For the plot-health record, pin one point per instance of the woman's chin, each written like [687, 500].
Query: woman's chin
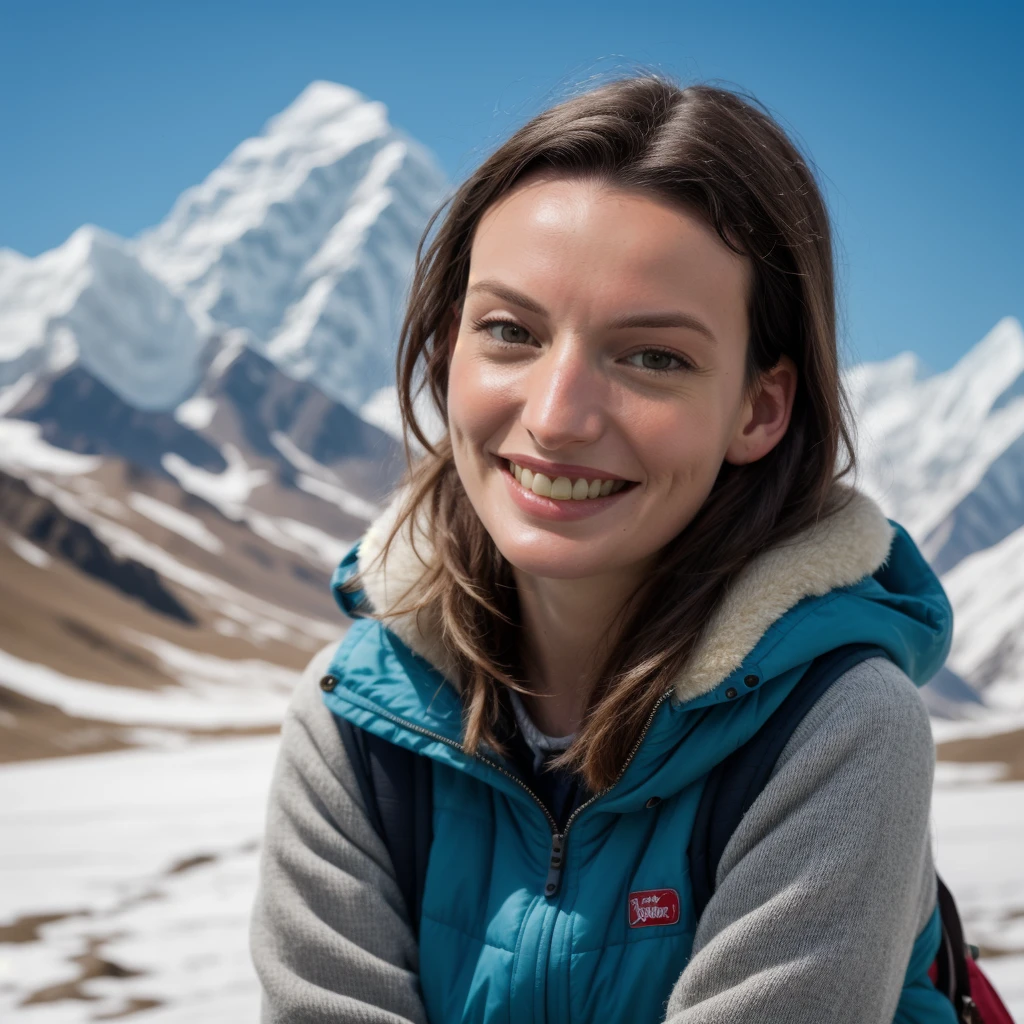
[559, 559]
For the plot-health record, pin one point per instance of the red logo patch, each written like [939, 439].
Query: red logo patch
[653, 906]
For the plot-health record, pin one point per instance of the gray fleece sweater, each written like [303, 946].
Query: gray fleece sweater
[778, 941]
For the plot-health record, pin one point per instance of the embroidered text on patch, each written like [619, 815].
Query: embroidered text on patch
[653, 906]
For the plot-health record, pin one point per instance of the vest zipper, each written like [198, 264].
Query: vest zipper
[405, 723]
[558, 839]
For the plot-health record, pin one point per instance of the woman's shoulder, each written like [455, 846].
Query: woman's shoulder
[309, 724]
[852, 787]
[873, 720]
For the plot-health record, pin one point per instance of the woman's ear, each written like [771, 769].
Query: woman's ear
[765, 416]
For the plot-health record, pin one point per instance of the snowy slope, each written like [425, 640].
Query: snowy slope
[305, 238]
[945, 453]
[987, 592]
[148, 861]
[90, 300]
[175, 400]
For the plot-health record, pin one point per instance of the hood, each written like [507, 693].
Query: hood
[853, 576]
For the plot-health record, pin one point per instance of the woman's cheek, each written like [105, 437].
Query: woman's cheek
[481, 397]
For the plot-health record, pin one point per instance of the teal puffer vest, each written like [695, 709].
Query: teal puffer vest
[505, 936]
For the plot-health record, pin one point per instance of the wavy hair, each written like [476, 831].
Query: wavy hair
[722, 157]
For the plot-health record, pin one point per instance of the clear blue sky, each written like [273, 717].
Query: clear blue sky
[913, 113]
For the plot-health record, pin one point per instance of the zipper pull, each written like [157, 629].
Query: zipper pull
[554, 865]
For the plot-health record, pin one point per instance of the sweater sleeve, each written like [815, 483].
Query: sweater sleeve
[329, 934]
[829, 878]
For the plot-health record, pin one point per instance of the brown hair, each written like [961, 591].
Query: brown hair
[722, 157]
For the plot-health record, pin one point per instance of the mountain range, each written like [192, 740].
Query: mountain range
[944, 455]
[196, 423]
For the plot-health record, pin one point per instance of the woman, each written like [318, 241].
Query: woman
[628, 544]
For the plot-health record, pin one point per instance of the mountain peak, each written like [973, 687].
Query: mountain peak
[300, 245]
[320, 102]
[85, 238]
[1003, 343]
[305, 238]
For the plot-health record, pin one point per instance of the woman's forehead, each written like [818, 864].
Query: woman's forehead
[571, 243]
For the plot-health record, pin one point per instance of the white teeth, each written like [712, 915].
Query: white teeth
[562, 488]
[541, 485]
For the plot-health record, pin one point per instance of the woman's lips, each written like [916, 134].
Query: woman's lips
[552, 470]
[564, 488]
[562, 509]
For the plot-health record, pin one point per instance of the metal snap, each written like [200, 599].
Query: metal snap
[328, 683]
[751, 680]
[731, 692]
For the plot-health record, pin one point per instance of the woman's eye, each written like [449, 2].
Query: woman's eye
[510, 333]
[652, 359]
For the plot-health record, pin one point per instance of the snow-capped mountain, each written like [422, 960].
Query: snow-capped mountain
[302, 243]
[186, 406]
[944, 455]
[240, 355]
[304, 238]
[91, 302]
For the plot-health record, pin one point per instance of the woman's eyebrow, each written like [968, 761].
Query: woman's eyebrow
[667, 319]
[672, 318]
[503, 291]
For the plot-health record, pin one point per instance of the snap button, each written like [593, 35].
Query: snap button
[653, 801]
[328, 683]
[731, 692]
[751, 680]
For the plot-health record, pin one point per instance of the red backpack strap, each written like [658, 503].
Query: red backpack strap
[991, 1009]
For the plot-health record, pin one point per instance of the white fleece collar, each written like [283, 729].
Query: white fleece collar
[834, 552]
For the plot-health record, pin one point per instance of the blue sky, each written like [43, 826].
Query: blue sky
[913, 114]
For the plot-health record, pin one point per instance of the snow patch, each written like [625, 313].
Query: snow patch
[181, 523]
[987, 593]
[153, 853]
[978, 836]
[11, 395]
[196, 413]
[28, 551]
[318, 480]
[308, 541]
[256, 695]
[382, 411]
[345, 500]
[953, 773]
[227, 491]
[22, 448]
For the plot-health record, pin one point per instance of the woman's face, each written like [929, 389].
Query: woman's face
[596, 376]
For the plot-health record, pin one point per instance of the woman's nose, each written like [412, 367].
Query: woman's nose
[564, 399]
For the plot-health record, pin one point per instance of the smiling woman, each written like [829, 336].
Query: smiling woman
[629, 559]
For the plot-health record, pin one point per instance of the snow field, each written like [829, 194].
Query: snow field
[158, 854]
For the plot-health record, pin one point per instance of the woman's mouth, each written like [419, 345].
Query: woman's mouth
[563, 488]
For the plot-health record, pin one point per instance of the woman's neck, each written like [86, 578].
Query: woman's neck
[569, 627]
